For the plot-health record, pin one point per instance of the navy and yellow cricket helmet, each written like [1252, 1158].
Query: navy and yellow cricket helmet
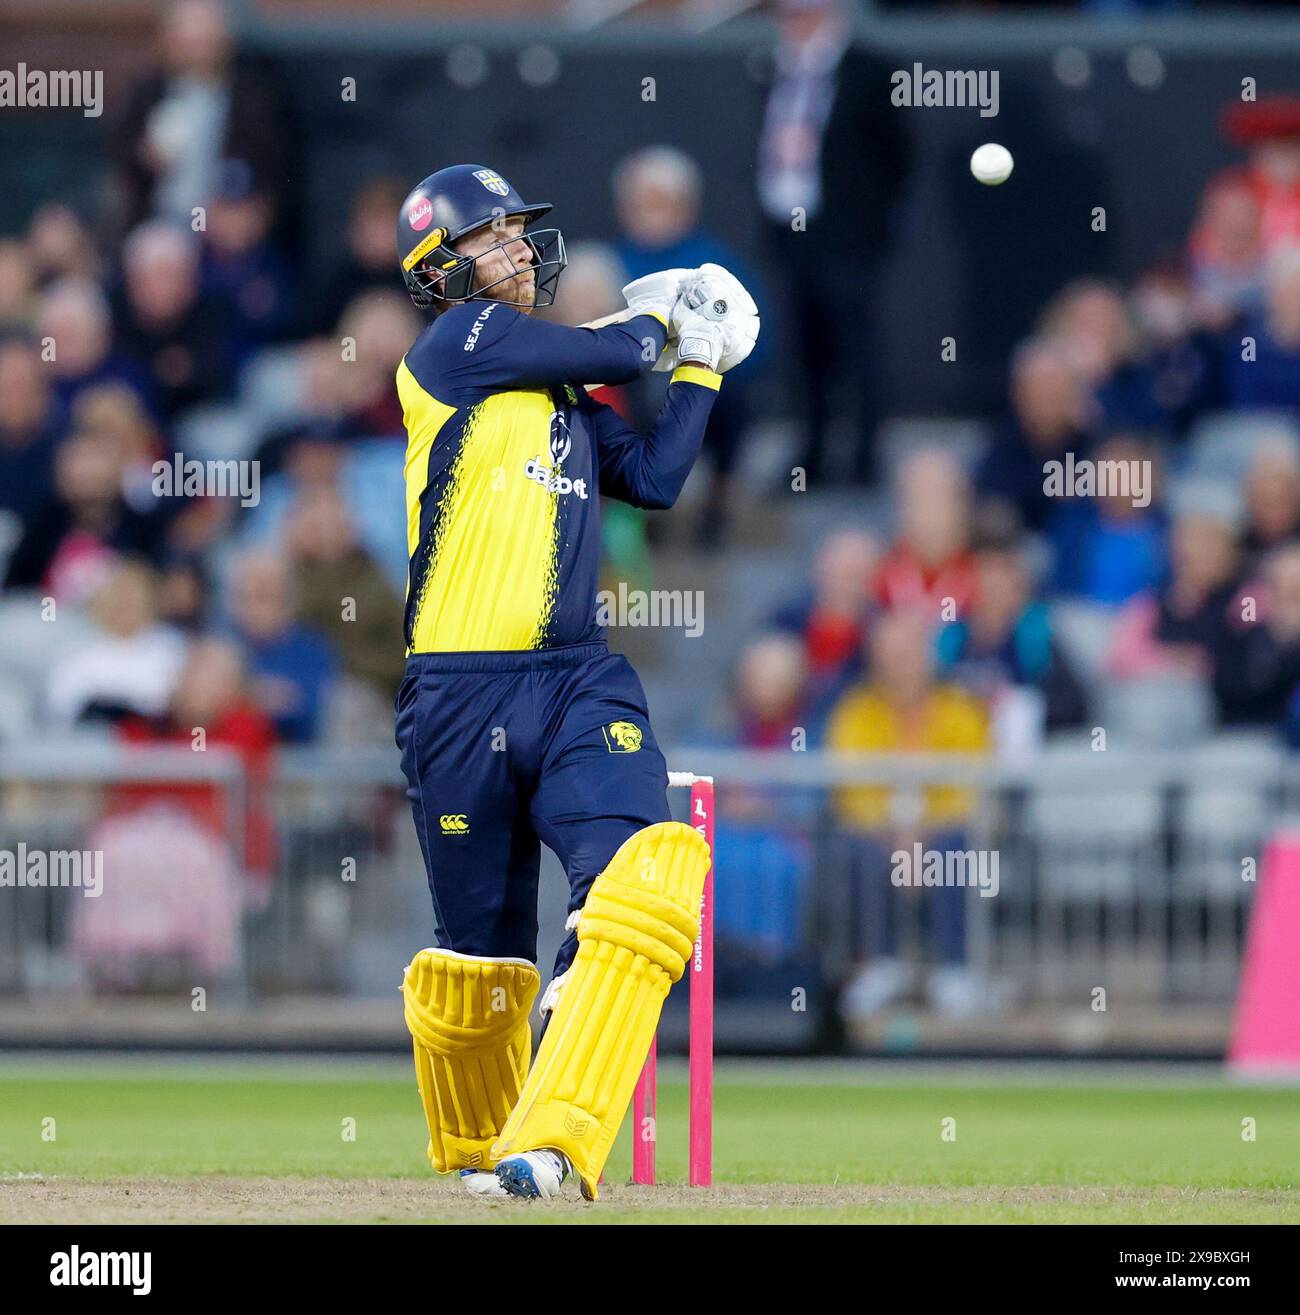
[444, 208]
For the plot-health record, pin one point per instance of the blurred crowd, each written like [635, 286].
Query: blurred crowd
[165, 318]
[163, 315]
[1188, 381]
[159, 319]
[996, 611]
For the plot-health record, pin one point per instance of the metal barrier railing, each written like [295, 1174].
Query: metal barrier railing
[1133, 873]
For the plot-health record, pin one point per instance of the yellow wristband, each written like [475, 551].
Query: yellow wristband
[697, 374]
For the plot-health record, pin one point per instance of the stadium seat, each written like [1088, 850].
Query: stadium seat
[1222, 445]
[218, 432]
[1084, 630]
[1096, 842]
[1156, 712]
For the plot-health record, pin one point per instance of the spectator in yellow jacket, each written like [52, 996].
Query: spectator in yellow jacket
[901, 708]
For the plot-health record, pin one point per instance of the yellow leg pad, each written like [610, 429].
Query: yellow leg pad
[635, 938]
[468, 1019]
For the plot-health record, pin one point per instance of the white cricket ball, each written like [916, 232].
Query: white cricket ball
[992, 164]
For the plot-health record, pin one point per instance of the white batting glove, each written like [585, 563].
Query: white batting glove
[714, 280]
[741, 318]
[700, 341]
[713, 296]
[708, 341]
[656, 294]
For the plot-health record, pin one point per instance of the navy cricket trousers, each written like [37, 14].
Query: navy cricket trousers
[505, 751]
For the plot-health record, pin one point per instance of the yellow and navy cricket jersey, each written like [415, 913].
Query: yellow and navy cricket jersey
[506, 458]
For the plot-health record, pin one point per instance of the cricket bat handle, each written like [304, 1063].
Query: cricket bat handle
[616, 318]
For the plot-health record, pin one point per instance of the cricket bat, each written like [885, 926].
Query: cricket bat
[616, 318]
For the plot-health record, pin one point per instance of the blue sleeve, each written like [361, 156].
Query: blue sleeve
[650, 470]
[489, 345]
[949, 641]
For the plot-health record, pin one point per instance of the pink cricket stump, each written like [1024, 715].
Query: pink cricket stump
[701, 1157]
[645, 1128]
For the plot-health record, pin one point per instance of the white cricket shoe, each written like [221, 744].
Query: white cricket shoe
[955, 992]
[478, 1183]
[533, 1173]
[875, 987]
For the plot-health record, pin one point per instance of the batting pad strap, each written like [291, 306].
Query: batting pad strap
[469, 1002]
[697, 374]
[468, 1019]
[635, 935]
[649, 925]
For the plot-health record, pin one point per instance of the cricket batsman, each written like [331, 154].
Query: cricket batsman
[516, 724]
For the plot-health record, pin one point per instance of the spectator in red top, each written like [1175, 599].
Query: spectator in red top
[766, 829]
[930, 566]
[1269, 130]
[771, 683]
[771, 702]
[832, 620]
[212, 697]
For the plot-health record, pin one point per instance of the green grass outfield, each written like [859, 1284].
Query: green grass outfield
[839, 1142]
